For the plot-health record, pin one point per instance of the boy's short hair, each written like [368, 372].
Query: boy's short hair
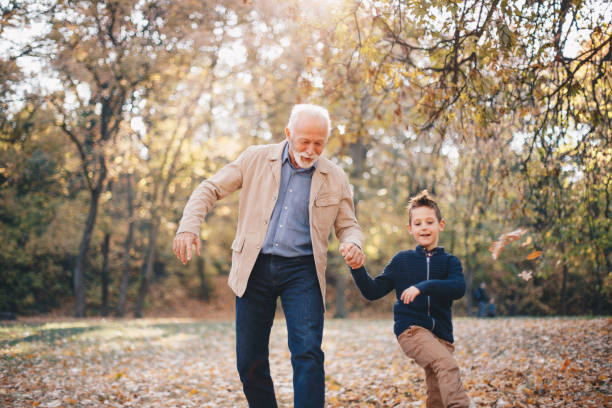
[423, 199]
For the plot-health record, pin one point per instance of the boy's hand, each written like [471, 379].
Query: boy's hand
[409, 294]
[353, 256]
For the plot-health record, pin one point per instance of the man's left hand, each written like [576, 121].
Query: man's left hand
[352, 254]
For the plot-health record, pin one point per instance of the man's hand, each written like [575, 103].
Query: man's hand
[409, 294]
[352, 255]
[183, 246]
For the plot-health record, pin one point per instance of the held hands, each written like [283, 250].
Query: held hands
[183, 246]
[353, 256]
[409, 294]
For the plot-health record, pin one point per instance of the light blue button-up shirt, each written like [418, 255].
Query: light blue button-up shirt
[289, 230]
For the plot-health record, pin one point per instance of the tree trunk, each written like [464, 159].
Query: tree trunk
[469, 284]
[467, 273]
[564, 290]
[335, 273]
[204, 289]
[79, 269]
[147, 269]
[608, 266]
[127, 247]
[105, 279]
[599, 287]
[358, 154]
[340, 286]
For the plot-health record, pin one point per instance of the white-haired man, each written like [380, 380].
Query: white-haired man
[290, 199]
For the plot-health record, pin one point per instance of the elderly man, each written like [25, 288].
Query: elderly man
[291, 197]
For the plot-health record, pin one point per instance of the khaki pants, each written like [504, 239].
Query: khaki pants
[444, 388]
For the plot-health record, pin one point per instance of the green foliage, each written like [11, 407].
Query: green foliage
[32, 279]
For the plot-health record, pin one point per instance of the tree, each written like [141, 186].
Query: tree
[33, 186]
[107, 56]
[165, 140]
[487, 63]
[127, 246]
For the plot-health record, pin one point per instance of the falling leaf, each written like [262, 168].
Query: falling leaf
[497, 246]
[534, 255]
[527, 242]
[526, 275]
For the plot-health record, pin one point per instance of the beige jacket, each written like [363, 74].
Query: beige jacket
[257, 171]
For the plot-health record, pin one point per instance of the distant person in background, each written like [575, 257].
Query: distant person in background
[491, 308]
[480, 295]
[290, 199]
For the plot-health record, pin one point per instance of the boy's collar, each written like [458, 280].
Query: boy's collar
[436, 250]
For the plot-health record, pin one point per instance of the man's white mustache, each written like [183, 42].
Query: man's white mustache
[305, 156]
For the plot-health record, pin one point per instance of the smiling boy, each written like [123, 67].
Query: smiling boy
[426, 281]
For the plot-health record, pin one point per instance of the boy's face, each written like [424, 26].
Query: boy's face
[425, 227]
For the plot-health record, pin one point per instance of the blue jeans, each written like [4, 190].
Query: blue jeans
[482, 309]
[295, 281]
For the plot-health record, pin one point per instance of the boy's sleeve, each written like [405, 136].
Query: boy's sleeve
[453, 287]
[378, 287]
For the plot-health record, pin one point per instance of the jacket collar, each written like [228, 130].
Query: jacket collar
[437, 250]
[276, 151]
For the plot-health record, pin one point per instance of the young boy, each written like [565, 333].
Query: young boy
[426, 281]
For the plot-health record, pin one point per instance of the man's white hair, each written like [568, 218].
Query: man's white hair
[310, 110]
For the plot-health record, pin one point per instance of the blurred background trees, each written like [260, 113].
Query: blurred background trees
[113, 111]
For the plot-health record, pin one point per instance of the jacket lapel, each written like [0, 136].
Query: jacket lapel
[318, 179]
[275, 162]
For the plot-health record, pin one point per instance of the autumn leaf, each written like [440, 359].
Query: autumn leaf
[497, 246]
[534, 255]
[527, 242]
[566, 364]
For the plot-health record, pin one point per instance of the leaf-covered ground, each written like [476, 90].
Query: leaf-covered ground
[514, 362]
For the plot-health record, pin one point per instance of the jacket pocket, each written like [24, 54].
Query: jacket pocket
[324, 212]
[238, 244]
[327, 200]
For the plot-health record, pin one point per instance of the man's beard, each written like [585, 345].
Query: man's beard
[303, 159]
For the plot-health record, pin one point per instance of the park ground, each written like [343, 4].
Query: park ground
[165, 362]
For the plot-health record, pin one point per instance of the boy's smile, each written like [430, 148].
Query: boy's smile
[425, 227]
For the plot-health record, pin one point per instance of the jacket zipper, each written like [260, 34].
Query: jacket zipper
[429, 299]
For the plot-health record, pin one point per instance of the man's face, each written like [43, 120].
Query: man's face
[307, 140]
[425, 227]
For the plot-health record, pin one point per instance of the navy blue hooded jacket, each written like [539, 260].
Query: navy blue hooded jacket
[439, 277]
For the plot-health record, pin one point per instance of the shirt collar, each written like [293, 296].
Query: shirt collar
[286, 158]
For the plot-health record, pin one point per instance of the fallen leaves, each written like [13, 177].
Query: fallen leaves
[514, 362]
[566, 364]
